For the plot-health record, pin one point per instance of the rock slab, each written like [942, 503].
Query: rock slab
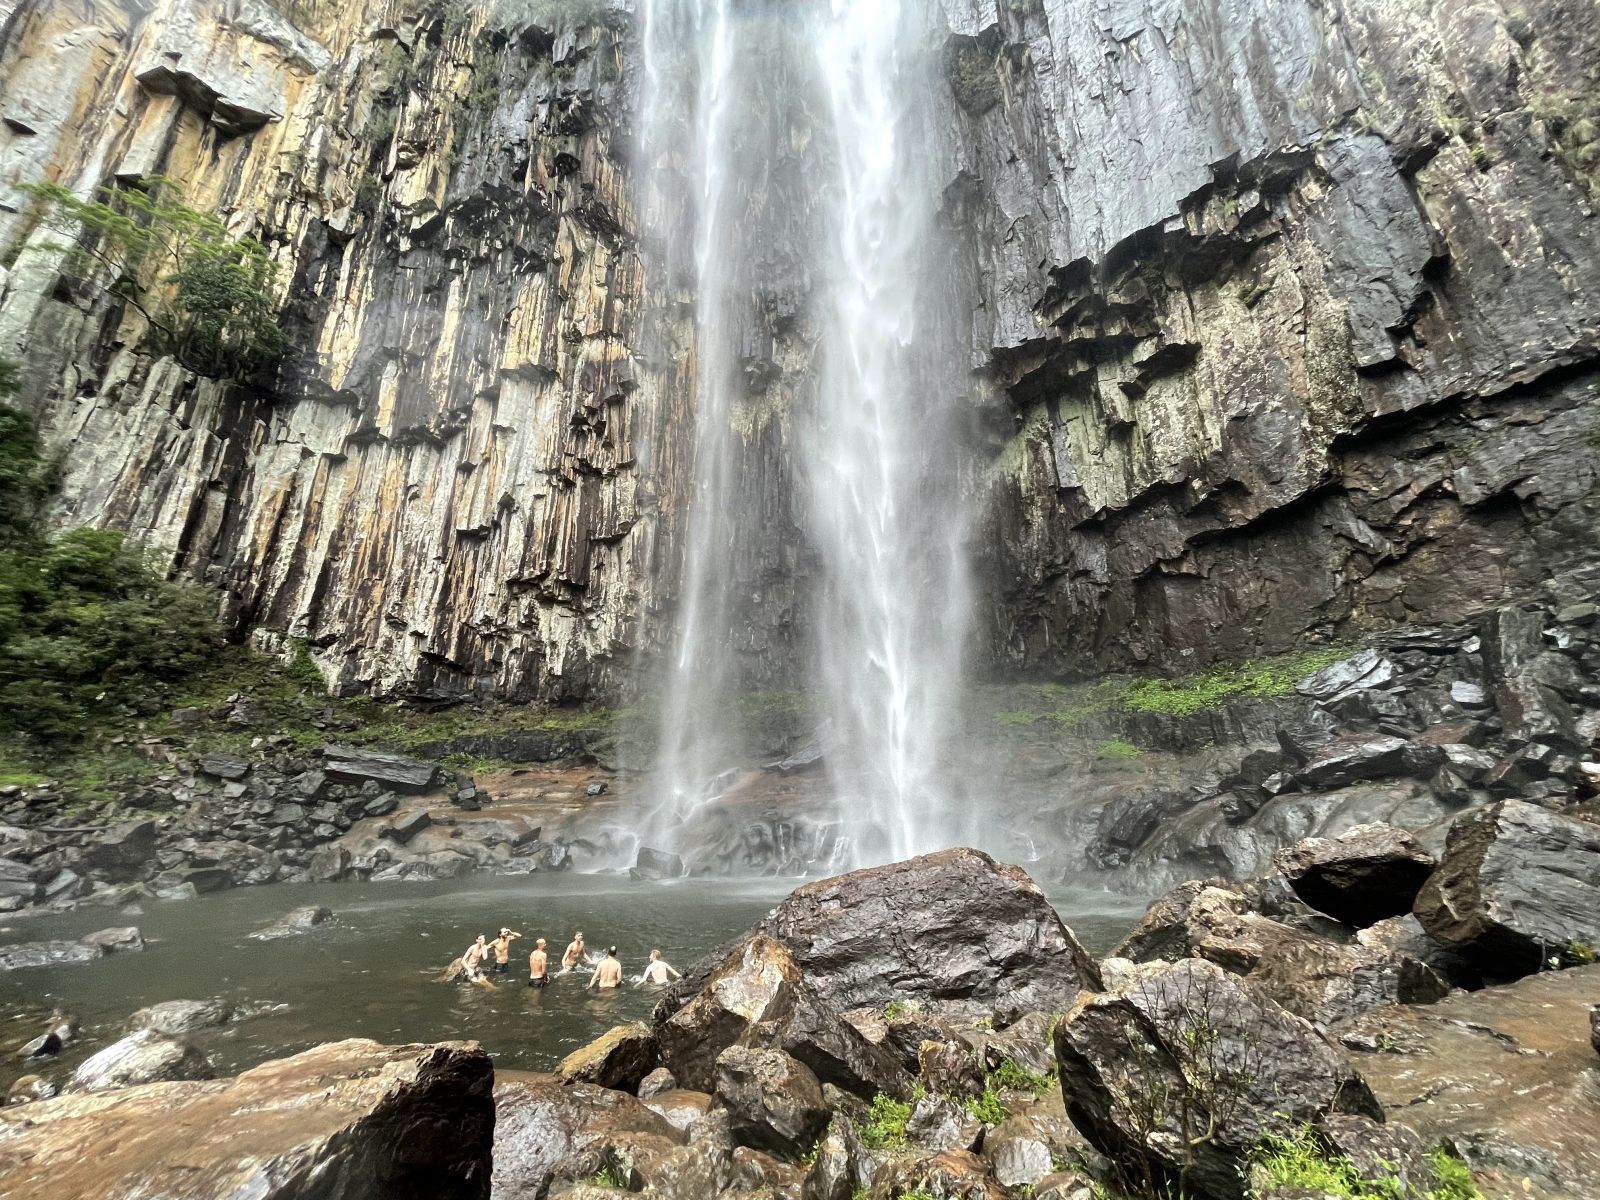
[353, 1119]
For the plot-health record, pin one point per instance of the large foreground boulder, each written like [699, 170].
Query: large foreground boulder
[1518, 885]
[949, 926]
[758, 997]
[1361, 877]
[1193, 1056]
[353, 1120]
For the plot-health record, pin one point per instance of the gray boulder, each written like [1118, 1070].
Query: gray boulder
[1360, 877]
[122, 939]
[1517, 886]
[391, 772]
[142, 1057]
[774, 1102]
[1195, 1056]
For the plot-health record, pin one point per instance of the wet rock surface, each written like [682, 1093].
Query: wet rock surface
[620, 1058]
[1119, 1053]
[1517, 886]
[353, 1118]
[1505, 1074]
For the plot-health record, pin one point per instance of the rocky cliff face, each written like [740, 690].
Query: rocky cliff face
[1284, 323]
[1295, 310]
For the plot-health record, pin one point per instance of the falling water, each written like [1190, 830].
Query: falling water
[726, 83]
[883, 489]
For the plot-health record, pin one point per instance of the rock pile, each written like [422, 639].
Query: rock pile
[342, 813]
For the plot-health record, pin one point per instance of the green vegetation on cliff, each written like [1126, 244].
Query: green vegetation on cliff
[210, 298]
[1067, 707]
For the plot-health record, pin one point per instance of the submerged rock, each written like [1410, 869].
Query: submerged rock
[21, 955]
[1517, 886]
[144, 1056]
[120, 940]
[353, 1120]
[1360, 877]
[175, 1017]
[301, 920]
[1129, 1064]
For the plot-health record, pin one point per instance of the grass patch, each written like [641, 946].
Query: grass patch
[1068, 706]
[885, 1126]
[1299, 1161]
[988, 1107]
[1011, 1076]
[896, 1009]
[1116, 748]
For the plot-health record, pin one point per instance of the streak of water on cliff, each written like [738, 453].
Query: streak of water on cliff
[727, 82]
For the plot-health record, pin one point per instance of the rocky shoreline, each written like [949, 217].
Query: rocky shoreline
[932, 1029]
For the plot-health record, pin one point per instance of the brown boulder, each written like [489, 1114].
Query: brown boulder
[758, 997]
[352, 1119]
[541, 1124]
[619, 1058]
[955, 925]
[774, 1103]
[1195, 1057]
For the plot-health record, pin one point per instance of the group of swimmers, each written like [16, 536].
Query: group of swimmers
[496, 957]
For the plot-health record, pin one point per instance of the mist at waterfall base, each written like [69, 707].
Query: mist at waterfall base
[792, 150]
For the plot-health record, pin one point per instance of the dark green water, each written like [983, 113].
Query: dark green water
[370, 972]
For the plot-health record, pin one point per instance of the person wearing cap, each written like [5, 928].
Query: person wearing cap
[574, 953]
[659, 971]
[538, 965]
[502, 951]
[608, 974]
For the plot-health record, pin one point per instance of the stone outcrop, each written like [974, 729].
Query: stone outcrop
[952, 926]
[1268, 366]
[1518, 887]
[620, 1058]
[1244, 1067]
[354, 1119]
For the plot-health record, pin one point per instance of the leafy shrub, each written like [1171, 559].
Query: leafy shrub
[885, 1126]
[24, 477]
[1116, 748]
[88, 622]
[208, 296]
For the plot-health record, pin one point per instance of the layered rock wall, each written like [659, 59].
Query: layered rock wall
[1294, 309]
[1283, 326]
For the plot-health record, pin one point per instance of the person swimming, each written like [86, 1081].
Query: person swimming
[660, 971]
[471, 961]
[538, 966]
[573, 954]
[608, 974]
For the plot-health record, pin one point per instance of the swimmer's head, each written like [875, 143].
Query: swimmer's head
[655, 954]
[612, 951]
[539, 942]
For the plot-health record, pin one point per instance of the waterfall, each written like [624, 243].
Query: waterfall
[872, 465]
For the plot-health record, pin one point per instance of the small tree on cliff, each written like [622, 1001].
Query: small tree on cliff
[208, 296]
